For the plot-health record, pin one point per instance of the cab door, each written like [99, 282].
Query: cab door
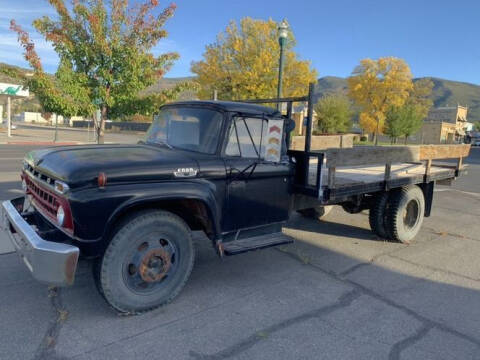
[258, 176]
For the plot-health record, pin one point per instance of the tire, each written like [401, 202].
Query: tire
[405, 213]
[318, 212]
[147, 263]
[377, 215]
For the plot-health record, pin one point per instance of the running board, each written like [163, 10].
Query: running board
[255, 243]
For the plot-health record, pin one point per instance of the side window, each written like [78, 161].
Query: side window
[246, 138]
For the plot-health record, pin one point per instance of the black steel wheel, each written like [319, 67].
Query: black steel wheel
[318, 212]
[405, 213]
[147, 263]
[377, 215]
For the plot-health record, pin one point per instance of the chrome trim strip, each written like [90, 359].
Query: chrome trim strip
[50, 262]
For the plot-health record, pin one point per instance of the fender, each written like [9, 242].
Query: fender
[178, 190]
[113, 201]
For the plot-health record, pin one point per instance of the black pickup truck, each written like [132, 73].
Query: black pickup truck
[219, 167]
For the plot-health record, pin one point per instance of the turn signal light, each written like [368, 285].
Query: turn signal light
[102, 180]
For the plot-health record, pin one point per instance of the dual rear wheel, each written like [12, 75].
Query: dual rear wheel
[398, 214]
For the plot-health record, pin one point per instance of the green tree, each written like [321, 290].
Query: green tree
[334, 114]
[414, 121]
[402, 121]
[394, 123]
[106, 58]
[243, 63]
[476, 126]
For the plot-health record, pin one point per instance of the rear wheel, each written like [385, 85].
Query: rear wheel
[147, 263]
[405, 212]
[377, 215]
[318, 212]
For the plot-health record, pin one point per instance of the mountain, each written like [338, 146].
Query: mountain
[445, 92]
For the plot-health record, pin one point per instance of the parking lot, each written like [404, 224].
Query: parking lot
[337, 293]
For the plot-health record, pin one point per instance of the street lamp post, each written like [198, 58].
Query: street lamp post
[282, 40]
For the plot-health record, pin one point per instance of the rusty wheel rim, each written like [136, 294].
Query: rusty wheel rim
[150, 264]
[154, 265]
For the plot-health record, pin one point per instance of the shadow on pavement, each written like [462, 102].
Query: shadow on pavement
[266, 304]
[329, 227]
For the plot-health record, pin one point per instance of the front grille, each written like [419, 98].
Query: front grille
[39, 175]
[44, 198]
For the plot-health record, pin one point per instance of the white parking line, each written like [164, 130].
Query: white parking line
[460, 191]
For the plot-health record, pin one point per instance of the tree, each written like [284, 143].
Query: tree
[105, 58]
[413, 120]
[243, 63]
[403, 121]
[375, 86]
[334, 114]
[394, 123]
[420, 97]
[476, 126]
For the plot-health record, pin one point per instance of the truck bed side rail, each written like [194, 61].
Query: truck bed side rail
[365, 156]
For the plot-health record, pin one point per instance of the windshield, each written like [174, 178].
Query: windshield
[188, 128]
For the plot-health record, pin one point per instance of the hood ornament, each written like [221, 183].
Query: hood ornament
[185, 172]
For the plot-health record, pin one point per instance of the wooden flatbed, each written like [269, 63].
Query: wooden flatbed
[334, 175]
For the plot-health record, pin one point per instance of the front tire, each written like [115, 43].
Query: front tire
[147, 263]
[405, 213]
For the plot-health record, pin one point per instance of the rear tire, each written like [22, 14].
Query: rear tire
[147, 263]
[405, 213]
[377, 215]
[318, 212]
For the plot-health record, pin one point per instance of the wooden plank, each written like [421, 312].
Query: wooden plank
[444, 151]
[380, 155]
[372, 155]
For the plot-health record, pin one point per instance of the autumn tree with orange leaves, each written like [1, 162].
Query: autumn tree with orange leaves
[243, 63]
[377, 85]
[106, 58]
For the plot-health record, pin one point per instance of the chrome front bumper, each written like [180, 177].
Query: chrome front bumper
[49, 262]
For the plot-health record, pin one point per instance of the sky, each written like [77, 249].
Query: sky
[438, 38]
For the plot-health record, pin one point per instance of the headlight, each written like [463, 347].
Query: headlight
[60, 215]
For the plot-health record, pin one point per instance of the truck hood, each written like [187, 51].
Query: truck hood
[79, 165]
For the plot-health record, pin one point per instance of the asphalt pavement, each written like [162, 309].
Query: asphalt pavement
[337, 293]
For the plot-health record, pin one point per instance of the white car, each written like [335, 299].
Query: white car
[476, 142]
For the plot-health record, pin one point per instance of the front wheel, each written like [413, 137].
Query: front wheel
[147, 263]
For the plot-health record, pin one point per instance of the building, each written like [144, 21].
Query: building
[37, 118]
[444, 125]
